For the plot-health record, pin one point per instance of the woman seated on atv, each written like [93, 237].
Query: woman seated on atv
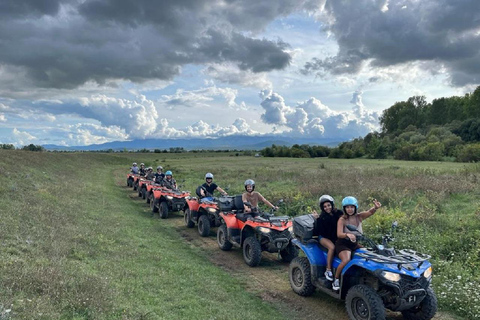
[168, 182]
[253, 197]
[326, 228]
[150, 175]
[347, 242]
[142, 170]
[159, 175]
[205, 191]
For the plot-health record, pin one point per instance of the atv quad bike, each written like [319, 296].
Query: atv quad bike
[206, 212]
[149, 190]
[142, 187]
[131, 179]
[376, 278]
[163, 200]
[255, 233]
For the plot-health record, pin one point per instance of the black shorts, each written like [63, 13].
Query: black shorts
[345, 244]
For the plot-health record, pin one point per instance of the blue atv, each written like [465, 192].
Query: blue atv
[376, 278]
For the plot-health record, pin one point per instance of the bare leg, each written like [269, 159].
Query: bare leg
[345, 256]
[331, 251]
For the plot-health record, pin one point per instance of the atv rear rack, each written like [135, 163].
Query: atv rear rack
[405, 256]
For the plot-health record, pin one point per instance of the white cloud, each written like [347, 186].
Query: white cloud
[201, 98]
[231, 74]
[2, 117]
[22, 137]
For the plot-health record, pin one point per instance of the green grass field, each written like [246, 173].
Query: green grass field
[75, 246]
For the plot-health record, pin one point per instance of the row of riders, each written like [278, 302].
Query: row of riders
[330, 226]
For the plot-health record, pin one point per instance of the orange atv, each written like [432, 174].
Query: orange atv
[136, 181]
[164, 200]
[205, 212]
[131, 179]
[142, 186]
[149, 190]
[256, 232]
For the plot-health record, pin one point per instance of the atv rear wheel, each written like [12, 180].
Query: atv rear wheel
[204, 225]
[148, 196]
[300, 277]
[153, 204]
[144, 193]
[363, 303]
[289, 253]
[135, 186]
[425, 310]
[252, 252]
[187, 217]
[222, 238]
[163, 210]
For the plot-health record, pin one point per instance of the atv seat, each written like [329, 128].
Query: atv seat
[242, 216]
[238, 204]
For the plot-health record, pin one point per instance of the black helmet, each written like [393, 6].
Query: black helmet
[249, 182]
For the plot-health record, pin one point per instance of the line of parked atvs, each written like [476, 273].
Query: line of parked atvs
[377, 277]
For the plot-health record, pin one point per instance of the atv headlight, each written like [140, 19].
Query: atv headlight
[212, 210]
[428, 273]
[391, 276]
[290, 229]
[169, 197]
[264, 230]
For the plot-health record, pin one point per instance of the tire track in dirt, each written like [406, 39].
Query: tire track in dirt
[269, 280]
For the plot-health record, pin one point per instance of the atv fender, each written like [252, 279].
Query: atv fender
[314, 254]
[247, 231]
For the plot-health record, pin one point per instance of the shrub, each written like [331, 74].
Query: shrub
[469, 153]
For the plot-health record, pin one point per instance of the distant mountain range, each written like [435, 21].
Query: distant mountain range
[239, 142]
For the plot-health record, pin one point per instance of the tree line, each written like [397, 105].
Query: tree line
[445, 129]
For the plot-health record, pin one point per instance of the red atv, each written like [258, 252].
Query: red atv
[149, 190]
[163, 200]
[206, 212]
[256, 232]
[142, 186]
[131, 179]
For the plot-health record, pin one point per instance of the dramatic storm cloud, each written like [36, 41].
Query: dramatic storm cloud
[383, 33]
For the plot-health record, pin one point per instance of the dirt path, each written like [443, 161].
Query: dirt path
[269, 280]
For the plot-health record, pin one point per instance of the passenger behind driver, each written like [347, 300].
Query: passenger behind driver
[168, 182]
[207, 189]
[326, 228]
[253, 197]
[347, 242]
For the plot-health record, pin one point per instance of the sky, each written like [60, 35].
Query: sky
[80, 72]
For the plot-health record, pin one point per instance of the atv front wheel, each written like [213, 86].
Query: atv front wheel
[144, 193]
[252, 252]
[363, 303]
[135, 186]
[204, 225]
[187, 217]
[425, 310]
[222, 238]
[163, 210]
[289, 253]
[140, 192]
[153, 204]
[300, 277]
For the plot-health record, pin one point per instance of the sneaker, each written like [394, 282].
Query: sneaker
[329, 275]
[336, 285]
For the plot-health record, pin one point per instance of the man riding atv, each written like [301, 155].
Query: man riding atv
[150, 175]
[142, 170]
[134, 168]
[252, 197]
[205, 191]
[169, 182]
[159, 175]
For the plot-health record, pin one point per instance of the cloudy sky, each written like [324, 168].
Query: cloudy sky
[77, 72]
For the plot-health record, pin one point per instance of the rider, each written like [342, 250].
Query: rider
[347, 242]
[168, 182]
[253, 197]
[150, 175]
[142, 169]
[159, 175]
[134, 168]
[207, 189]
[326, 228]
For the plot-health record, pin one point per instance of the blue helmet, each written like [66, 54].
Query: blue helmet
[168, 173]
[350, 201]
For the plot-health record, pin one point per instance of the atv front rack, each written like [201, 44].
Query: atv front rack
[405, 256]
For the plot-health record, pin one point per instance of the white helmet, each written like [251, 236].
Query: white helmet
[159, 168]
[142, 164]
[209, 176]
[134, 164]
[325, 198]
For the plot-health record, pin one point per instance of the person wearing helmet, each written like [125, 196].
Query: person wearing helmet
[253, 197]
[168, 181]
[326, 228]
[134, 168]
[142, 170]
[347, 242]
[150, 175]
[159, 175]
[206, 190]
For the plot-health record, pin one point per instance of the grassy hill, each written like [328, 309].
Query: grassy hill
[74, 244]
